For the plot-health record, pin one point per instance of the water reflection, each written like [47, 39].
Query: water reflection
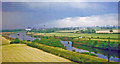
[105, 54]
[22, 36]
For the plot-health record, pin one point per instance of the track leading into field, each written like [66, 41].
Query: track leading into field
[24, 53]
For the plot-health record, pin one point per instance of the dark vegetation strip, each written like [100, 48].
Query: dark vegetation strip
[89, 53]
[14, 30]
[105, 45]
[50, 42]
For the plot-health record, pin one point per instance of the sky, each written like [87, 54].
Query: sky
[20, 15]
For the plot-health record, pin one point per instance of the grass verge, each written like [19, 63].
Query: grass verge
[89, 53]
[73, 56]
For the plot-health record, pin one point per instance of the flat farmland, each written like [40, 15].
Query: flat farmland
[24, 53]
[5, 41]
[77, 35]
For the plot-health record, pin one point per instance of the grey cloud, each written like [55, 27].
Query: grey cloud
[98, 20]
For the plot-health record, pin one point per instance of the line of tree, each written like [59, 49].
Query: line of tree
[14, 30]
[89, 30]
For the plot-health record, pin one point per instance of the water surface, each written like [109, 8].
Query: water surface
[105, 54]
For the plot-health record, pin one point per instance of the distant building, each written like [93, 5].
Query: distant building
[107, 31]
[80, 37]
[22, 36]
[28, 29]
[97, 26]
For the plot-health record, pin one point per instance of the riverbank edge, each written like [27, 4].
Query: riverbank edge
[97, 48]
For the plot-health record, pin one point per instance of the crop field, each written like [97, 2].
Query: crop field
[63, 31]
[106, 40]
[24, 53]
[5, 41]
[78, 35]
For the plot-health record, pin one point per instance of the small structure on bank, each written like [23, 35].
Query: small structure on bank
[23, 36]
[80, 37]
[28, 29]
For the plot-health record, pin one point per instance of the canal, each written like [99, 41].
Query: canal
[105, 54]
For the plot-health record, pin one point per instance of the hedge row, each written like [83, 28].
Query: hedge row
[50, 42]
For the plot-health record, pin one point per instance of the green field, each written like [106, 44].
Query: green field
[92, 40]
[67, 31]
[78, 35]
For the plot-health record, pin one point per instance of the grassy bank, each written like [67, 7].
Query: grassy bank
[50, 42]
[73, 56]
[89, 53]
[97, 44]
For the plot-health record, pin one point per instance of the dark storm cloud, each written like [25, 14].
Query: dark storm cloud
[22, 14]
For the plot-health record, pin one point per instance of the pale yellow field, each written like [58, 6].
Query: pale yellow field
[106, 40]
[5, 41]
[24, 53]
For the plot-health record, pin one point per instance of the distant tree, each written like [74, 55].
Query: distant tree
[18, 34]
[77, 32]
[15, 41]
[73, 28]
[111, 30]
[93, 31]
[11, 42]
[73, 50]
[91, 37]
[81, 31]
[95, 43]
[97, 37]
[37, 40]
[90, 30]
